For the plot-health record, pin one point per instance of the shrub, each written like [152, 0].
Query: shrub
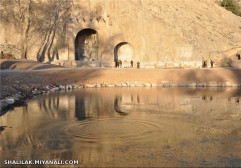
[232, 6]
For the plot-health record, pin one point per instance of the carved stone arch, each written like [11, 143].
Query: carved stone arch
[123, 51]
[86, 45]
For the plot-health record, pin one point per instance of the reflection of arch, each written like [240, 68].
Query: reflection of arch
[123, 108]
[86, 45]
[117, 106]
[123, 51]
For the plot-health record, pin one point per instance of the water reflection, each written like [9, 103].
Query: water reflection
[127, 126]
[80, 108]
[124, 105]
[117, 106]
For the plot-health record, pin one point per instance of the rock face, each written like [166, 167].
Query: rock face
[166, 33]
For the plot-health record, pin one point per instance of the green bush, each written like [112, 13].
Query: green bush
[232, 6]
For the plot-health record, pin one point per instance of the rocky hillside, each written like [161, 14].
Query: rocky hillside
[204, 24]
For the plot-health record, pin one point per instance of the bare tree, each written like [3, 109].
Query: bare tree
[48, 20]
[17, 13]
[54, 27]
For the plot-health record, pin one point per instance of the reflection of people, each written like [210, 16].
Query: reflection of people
[138, 65]
[238, 56]
[211, 62]
[131, 63]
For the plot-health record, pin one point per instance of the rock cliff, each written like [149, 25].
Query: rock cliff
[154, 32]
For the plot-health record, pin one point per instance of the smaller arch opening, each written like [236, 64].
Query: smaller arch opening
[124, 52]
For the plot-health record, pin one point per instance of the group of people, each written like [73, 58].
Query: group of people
[118, 64]
[205, 63]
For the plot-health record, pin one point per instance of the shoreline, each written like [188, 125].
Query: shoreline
[19, 85]
[20, 97]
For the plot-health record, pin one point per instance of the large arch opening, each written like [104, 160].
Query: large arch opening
[86, 45]
[124, 52]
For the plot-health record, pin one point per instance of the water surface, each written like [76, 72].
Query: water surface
[127, 127]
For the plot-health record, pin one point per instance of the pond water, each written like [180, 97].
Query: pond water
[127, 127]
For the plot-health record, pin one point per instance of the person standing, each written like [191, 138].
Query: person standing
[238, 56]
[131, 63]
[138, 65]
[211, 62]
[205, 63]
[2, 54]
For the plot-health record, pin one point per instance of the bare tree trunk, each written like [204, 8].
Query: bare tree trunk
[56, 18]
[27, 31]
[26, 23]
